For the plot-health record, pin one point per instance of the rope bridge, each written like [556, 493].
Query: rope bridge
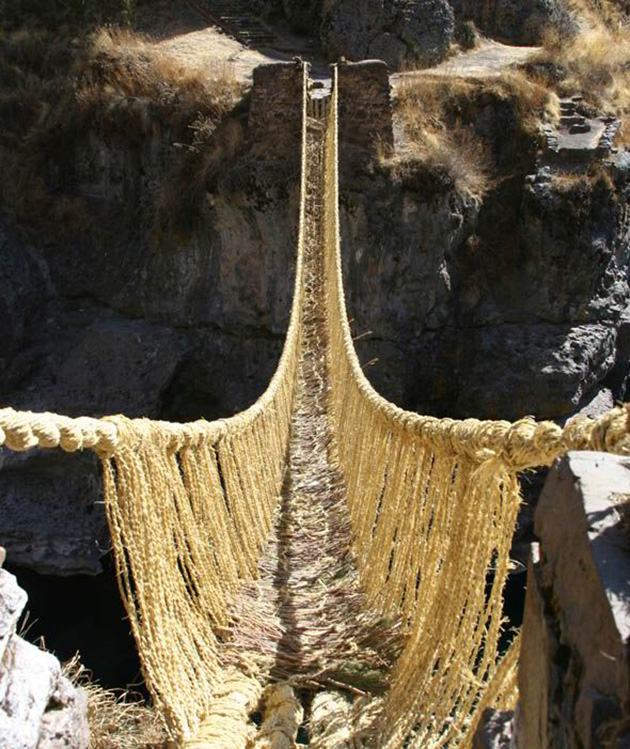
[323, 544]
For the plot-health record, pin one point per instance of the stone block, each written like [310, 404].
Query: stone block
[276, 106]
[574, 667]
[365, 109]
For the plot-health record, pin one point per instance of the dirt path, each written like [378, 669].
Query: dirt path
[182, 32]
[489, 60]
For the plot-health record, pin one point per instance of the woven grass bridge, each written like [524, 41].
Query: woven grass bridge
[324, 549]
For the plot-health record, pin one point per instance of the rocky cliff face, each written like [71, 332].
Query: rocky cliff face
[411, 32]
[524, 319]
[397, 31]
[39, 707]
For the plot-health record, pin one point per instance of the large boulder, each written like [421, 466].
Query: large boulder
[573, 673]
[506, 371]
[397, 31]
[520, 21]
[52, 517]
[350, 25]
[39, 707]
[426, 27]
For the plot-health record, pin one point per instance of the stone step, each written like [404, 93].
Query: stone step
[571, 120]
[583, 127]
[237, 19]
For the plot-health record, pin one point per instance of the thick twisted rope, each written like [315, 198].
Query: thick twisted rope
[519, 445]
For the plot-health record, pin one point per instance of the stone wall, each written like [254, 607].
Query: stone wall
[365, 109]
[275, 110]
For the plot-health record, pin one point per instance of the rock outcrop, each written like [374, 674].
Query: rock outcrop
[573, 674]
[519, 21]
[396, 31]
[416, 32]
[523, 293]
[39, 707]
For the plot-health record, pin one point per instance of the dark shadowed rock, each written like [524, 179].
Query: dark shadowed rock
[100, 364]
[350, 25]
[389, 48]
[426, 27]
[304, 16]
[52, 518]
[521, 294]
[506, 371]
[495, 730]
[397, 31]
[520, 21]
[24, 289]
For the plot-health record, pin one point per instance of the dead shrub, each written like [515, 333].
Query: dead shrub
[118, 719]
[438, 116]
[597, 14]
[596, 64]
[123, 81]
[466, 35]
[118, 86]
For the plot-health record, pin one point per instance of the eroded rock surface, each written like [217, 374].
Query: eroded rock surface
[573, 673]
[39, 707]
[396, 31]
[519, 21]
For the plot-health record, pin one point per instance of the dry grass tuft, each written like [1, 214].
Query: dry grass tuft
[456, 157]
[454, 153]
[123, 80]
[438, 116]
[118, 719]
[56, 91]
[598, 14]
[623, 135]
[597, 65]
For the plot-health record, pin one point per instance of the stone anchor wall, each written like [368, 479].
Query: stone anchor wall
[365, 109]
[275, 110]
